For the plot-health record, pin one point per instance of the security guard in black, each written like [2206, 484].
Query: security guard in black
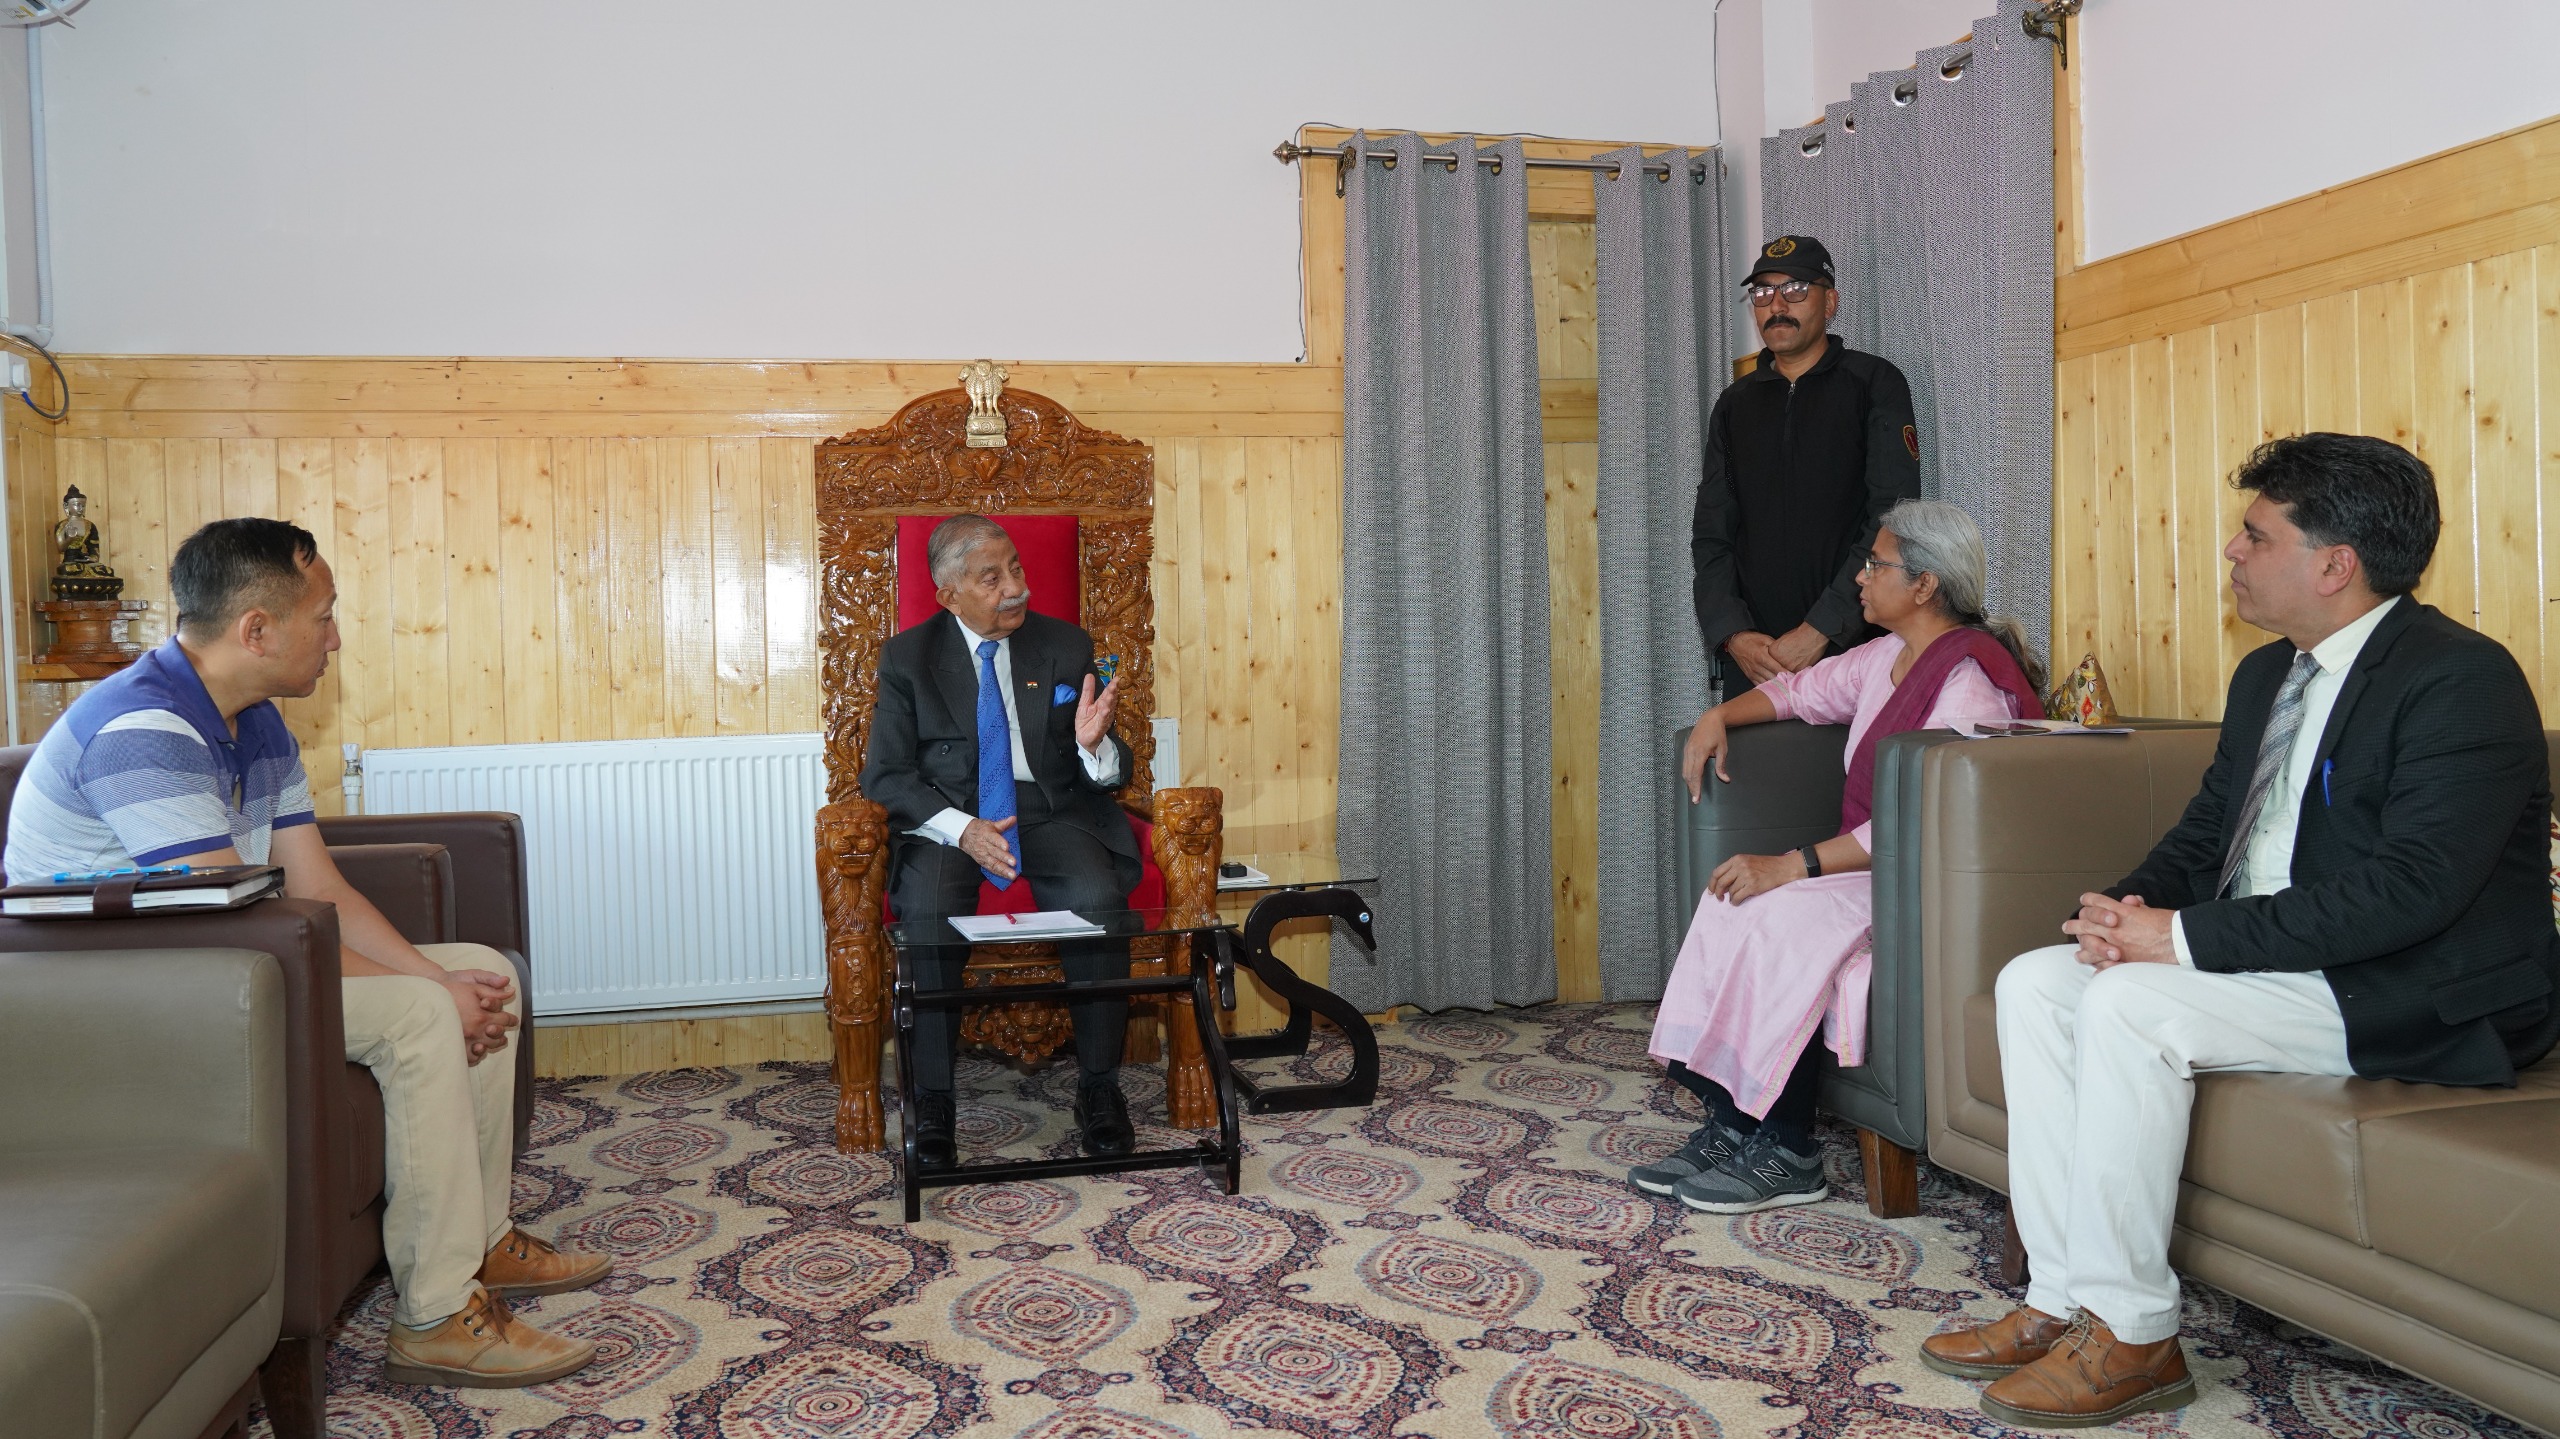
[1803, 457]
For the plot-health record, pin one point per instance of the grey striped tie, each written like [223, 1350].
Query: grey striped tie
[2282, 723]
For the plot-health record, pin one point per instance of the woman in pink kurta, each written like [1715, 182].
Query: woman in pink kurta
[1779, 944]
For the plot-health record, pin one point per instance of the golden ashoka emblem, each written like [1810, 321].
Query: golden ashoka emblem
[1780, 248]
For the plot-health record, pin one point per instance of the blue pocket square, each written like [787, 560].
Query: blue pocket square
[1066, 695]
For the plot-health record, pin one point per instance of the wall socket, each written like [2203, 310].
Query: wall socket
[14, 374]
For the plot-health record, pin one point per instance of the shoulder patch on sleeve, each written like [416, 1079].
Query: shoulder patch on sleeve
[1911, 440]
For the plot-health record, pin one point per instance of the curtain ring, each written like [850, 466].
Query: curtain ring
[1811, 145]
[1497, 164]
[1849, 123]
[1450, 160]
[1665, 176]
[1953, 70]
[1391, 159]
[1613, 171]
[1343, 160]
[1906, 92]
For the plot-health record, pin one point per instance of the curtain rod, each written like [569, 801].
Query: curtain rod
[1290, 152]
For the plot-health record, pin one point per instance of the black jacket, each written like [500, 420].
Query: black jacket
[1795, 478]
[2421, 860]
[923, 756]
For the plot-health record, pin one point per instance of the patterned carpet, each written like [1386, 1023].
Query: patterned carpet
[1461, 1259]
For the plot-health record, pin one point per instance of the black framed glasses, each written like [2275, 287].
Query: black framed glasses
[1795, 292]
[1868, 564]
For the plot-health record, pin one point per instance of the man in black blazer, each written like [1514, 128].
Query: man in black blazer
[1032, 803]
[2360, 886]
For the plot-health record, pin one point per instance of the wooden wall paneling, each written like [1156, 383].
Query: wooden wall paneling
[307, 495]
[421, 707]
[2240, 367]
[1573, 660]
[1220, 671]
[791, 586]
[476, 638]
[1271, 671]
[2329, 358]
[737, 586]
[1178, 601]
[529, 574]
[134, 514]
[585, 1051]
[635, 612]
[248, 479]
[2508, 531]
[363, 560]
[581, 530]
[2155, 546]
[194, 473]
[2546, 351]
[2195, 463]
[2076, 577]
[684, 469]
[2431, 344]
[2112, 443]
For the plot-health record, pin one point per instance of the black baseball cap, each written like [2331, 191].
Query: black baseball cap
[1800, 256]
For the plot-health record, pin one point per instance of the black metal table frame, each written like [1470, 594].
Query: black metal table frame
[1216, 949]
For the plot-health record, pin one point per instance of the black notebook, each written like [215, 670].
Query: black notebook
[120, 893]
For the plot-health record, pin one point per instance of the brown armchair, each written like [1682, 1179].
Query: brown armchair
[923, 464]
[439, 878]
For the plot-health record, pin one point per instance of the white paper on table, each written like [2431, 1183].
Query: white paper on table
[1039, 924]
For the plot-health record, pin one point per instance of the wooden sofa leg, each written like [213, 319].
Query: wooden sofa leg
[1893, 1176]
[2013, 1251]
[294, 1385]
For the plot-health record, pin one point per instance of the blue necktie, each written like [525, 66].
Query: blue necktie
[995, 759]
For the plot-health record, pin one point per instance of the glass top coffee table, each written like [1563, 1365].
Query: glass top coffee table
[1283, 887]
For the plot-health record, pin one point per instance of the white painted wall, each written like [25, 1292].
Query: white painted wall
[2197, 111]
[790, 178]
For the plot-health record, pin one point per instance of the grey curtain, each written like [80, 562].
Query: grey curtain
[1933, 188]
[1445, 707]
[1666, 308]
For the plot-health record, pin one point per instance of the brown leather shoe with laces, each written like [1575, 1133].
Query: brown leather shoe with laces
[2092, 1377]
[483, 1347]
[1987, 1351]
[522, 1264]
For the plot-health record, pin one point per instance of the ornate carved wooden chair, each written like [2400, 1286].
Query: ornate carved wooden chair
[1081, 505]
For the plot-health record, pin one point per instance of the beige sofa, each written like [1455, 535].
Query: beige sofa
[142, 1171]
[2417, 1223]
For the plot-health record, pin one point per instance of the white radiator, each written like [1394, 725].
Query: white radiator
[661, 872]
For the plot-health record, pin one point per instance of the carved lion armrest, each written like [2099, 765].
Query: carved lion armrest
[853, 865]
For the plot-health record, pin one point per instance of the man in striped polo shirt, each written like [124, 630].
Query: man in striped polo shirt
[182, 758]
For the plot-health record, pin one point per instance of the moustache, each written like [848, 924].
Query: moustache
[1020, 602]
[1782, 320]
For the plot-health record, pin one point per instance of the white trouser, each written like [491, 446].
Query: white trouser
[449, 1127]
[2100, 1071]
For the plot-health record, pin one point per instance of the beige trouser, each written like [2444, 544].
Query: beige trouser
[2100, 1071]
[448, 1125]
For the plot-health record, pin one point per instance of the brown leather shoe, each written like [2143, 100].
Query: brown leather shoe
[522, 1264]
[483, 1347]
[2091, 1377]
[1987, 1351]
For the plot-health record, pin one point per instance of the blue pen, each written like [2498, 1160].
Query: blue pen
[66, 877]
[2326, 766]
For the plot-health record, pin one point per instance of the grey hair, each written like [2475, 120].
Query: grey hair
[946, 550]
[1942, 540]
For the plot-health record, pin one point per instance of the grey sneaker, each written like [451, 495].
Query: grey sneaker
[1765, 1175]
[1712, 1145]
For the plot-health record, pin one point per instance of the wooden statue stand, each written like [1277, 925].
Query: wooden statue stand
[89, 635]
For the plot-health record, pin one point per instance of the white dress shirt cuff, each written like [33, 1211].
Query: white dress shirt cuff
[1101, 767]
[944, 828]
[2178, 939]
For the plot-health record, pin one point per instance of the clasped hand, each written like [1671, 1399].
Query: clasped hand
[480, 997]
[1745, 875]
[2121, 931]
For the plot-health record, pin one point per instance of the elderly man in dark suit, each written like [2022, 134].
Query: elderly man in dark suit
[991, 748]
[2361, 886]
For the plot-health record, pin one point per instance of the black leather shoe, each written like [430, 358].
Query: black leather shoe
[935, 1118]
[1103, 1115]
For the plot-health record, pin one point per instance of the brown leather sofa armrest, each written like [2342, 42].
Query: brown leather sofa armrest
[488, 867]
[412, 884]
[303, 936]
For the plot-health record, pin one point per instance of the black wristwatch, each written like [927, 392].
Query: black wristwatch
[1812, 861]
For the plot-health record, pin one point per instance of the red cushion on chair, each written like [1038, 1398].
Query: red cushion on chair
[1018, 899]
[1049, 562]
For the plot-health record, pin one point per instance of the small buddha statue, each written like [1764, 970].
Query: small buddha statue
[81, 575]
